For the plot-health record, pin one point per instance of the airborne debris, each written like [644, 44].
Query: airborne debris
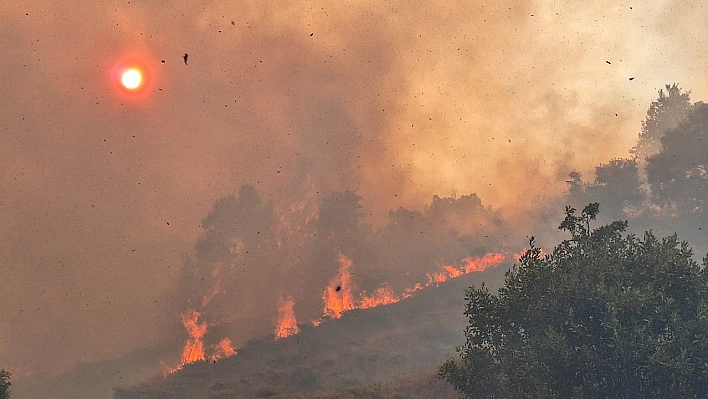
[631, 78]
[184, 57]
[608, 62]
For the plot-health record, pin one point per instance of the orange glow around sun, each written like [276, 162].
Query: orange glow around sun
[133, 76]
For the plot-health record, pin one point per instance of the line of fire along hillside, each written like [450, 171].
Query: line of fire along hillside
[339, 297]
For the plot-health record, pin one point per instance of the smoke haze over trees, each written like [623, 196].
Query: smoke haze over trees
[663, 115]
[247, 242]
[665, 185]
[248, 238]
[255, 249]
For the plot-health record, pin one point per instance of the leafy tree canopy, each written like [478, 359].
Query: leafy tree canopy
[4, 384]
[664, 114]
[617, 185]
[679, 173]
[605, 315]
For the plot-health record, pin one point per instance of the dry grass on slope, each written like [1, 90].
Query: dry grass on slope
[421, 387]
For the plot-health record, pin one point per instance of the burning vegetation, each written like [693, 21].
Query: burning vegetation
[330, 259]
[327, 259]
[338, 297]
[194, 347]
[287, 323]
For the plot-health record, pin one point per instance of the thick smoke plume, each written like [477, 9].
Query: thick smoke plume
[301, 130]
[253, 252]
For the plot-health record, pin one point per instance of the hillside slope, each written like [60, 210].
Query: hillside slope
[365, 348]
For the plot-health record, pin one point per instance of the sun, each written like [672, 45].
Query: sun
[133, 76]
[131, 79]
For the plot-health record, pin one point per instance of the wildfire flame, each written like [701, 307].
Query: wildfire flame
[382, 296]
[472, 265]
[287, 323]
[338, 297]
[222, 350]
[194, 347]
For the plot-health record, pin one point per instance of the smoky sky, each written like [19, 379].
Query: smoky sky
[102, 194]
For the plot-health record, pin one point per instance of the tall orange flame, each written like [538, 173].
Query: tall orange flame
[287, 323]
[194, 347]
[338, 295]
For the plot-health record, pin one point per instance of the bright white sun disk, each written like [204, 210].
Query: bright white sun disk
[131, 79]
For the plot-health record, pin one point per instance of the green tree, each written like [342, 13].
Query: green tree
[576, 187]
[605, 315]
[664, 114]
[617, 185]
[4, 384]
[679, 173]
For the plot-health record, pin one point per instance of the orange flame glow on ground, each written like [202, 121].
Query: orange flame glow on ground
[469, 265]
[338, 297]
[222, 350]
[194, 347]
[472, 265]
[382, 296]
[287, 323]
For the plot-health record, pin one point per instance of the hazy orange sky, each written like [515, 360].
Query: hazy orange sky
[102, 193]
